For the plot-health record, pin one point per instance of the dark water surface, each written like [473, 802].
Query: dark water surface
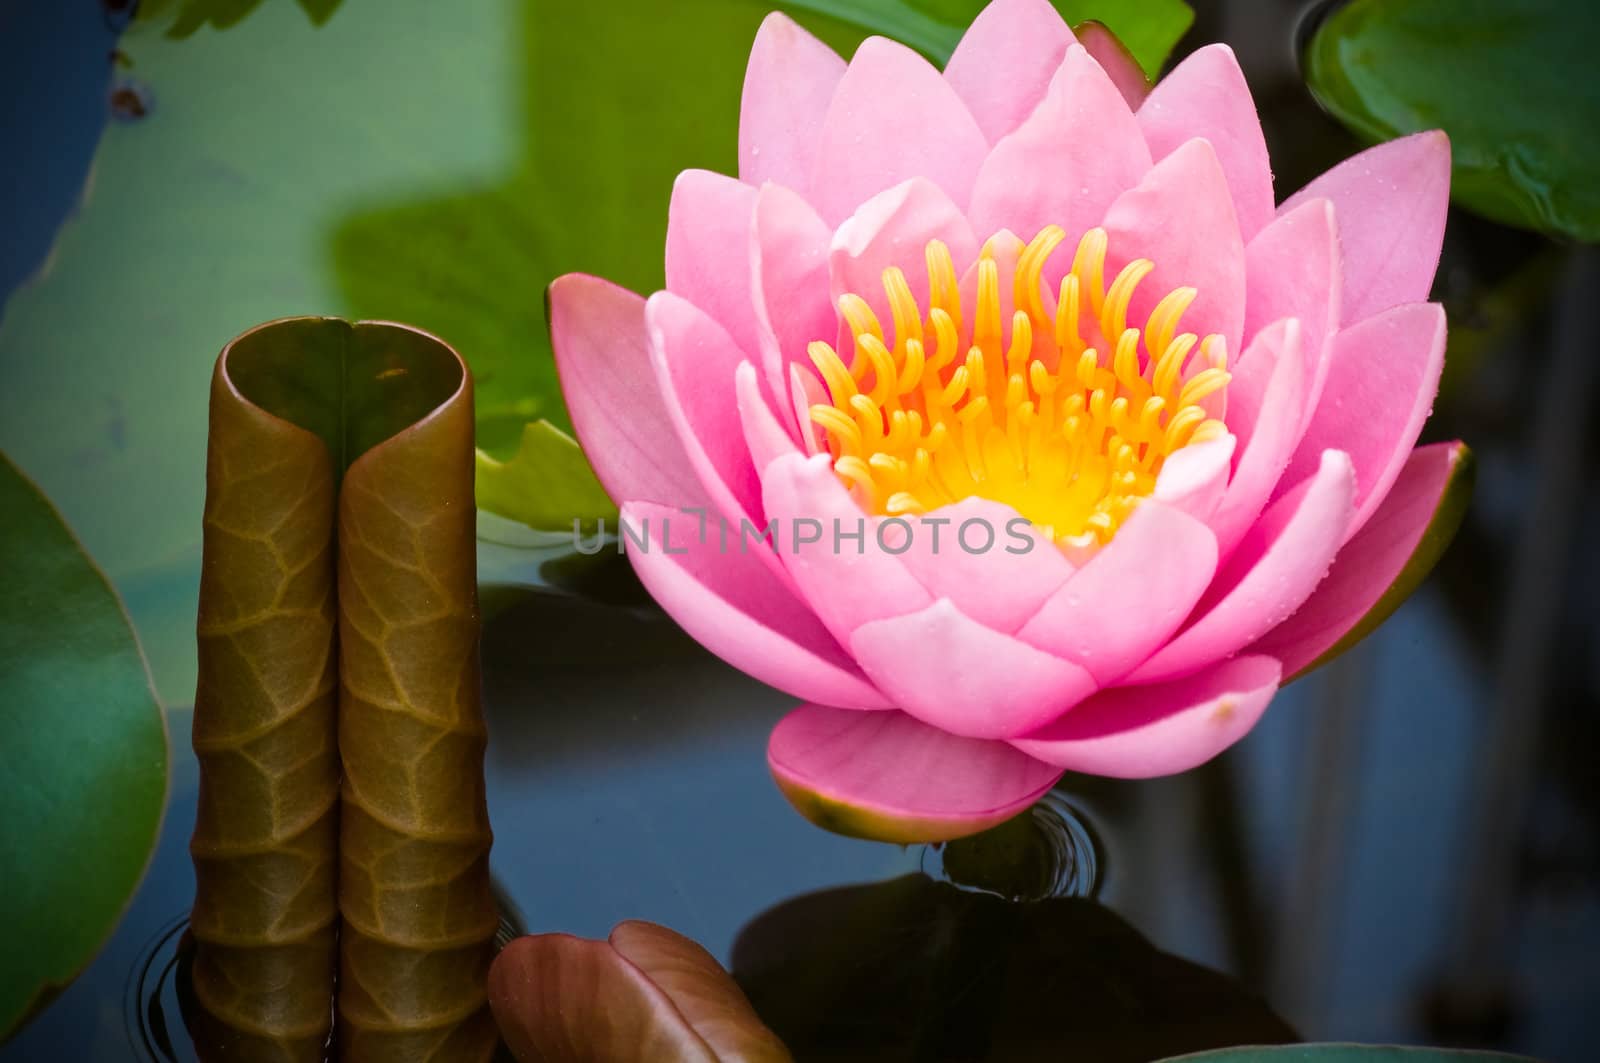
[1404, 850]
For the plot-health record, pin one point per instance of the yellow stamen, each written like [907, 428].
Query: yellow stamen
[1073, 439]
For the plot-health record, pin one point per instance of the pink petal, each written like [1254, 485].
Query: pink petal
[559, 997]
[730, 602]
[708, 249]
[1115, 59]
[603, 359]
[1293, 270]
[695, 361]
[1380, 567]
[1005, 61]
[1275, 568]
[1382, 377]
[1391, 202]
[764, 433]
[788, 85]
[893, 228]
[893, 118]
[1181, 218]
[986, 580]
[1206, 96]
[1065, 165]
[806, 391]
[1194, 479]
[950, 671]
[789, 263]
[886, 777]
[1267, 407]
[1131, 596]
[846, 583]
[1140, 732]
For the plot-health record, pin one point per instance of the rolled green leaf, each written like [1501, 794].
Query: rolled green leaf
[338, 659]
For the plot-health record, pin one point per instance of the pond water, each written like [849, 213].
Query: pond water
[1403, 850]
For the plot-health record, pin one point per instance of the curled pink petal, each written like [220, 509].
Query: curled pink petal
[946, 669]
[1140, 732]
[764, 433]
[1131, 596]
[1066, 164]
[1180, 217]
[708, 244]
[1379, 568]
[886, 777]
[1294, 271]
[893, 118]
[1275, 569]
[788, 85]
[1206, 96]
[1382, 377]
[1391, 202]
[1005, 60]
[1115, 59]
[603, 356]
[789, 265]
[709, 579]
[1193, 480]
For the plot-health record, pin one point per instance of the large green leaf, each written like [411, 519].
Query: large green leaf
[83, 754]
[1345, 1053]
[1511, 81]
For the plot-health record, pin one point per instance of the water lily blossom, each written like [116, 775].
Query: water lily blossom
[1165, 424]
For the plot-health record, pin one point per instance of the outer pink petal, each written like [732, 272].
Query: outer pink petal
[986, 580]
[1005, 61]
[1131, 596]
[695, 361]
[1194, 479]
[893, 118]
[847, 588]
[733, 605]
[1115, 59]
[887, 777]
[1206, 96]
[1391, 201]
[893, 228]
[603, 359]
[1293, 270]
[766, 436]
[1267, 406]
[1144, 731]
[1379, 567]
[1181, 218]
[708, 249]
[1273, 571]
[950, 671]
[1066, 164]
[1382, 377]
[788, 85]
[789, 262]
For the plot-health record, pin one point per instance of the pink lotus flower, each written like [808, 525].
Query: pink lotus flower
[1010, 291]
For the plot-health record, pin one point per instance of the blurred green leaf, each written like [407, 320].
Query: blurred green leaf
[545, 485]
[1511, 81]
[1148, 28]
[83, 754]
[1345, 1053]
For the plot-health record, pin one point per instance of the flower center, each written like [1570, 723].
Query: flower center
[1068, 420]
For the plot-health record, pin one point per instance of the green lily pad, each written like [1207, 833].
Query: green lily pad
[545, 484]
[1345, 1053]
[83, 754]
[1512, 84]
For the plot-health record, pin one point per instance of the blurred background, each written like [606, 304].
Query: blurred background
[1405, 849]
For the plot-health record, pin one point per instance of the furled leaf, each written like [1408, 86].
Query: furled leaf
[83, 754]
[337, 713]
[646, 994]
[1147, 28]
[545, 485]
[1345, 1053]
[1511, 83]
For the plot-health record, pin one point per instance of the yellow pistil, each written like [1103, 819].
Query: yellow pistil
[1068, 419]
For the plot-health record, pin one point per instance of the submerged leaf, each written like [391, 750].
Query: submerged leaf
[83, 754]
[1524, 156]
